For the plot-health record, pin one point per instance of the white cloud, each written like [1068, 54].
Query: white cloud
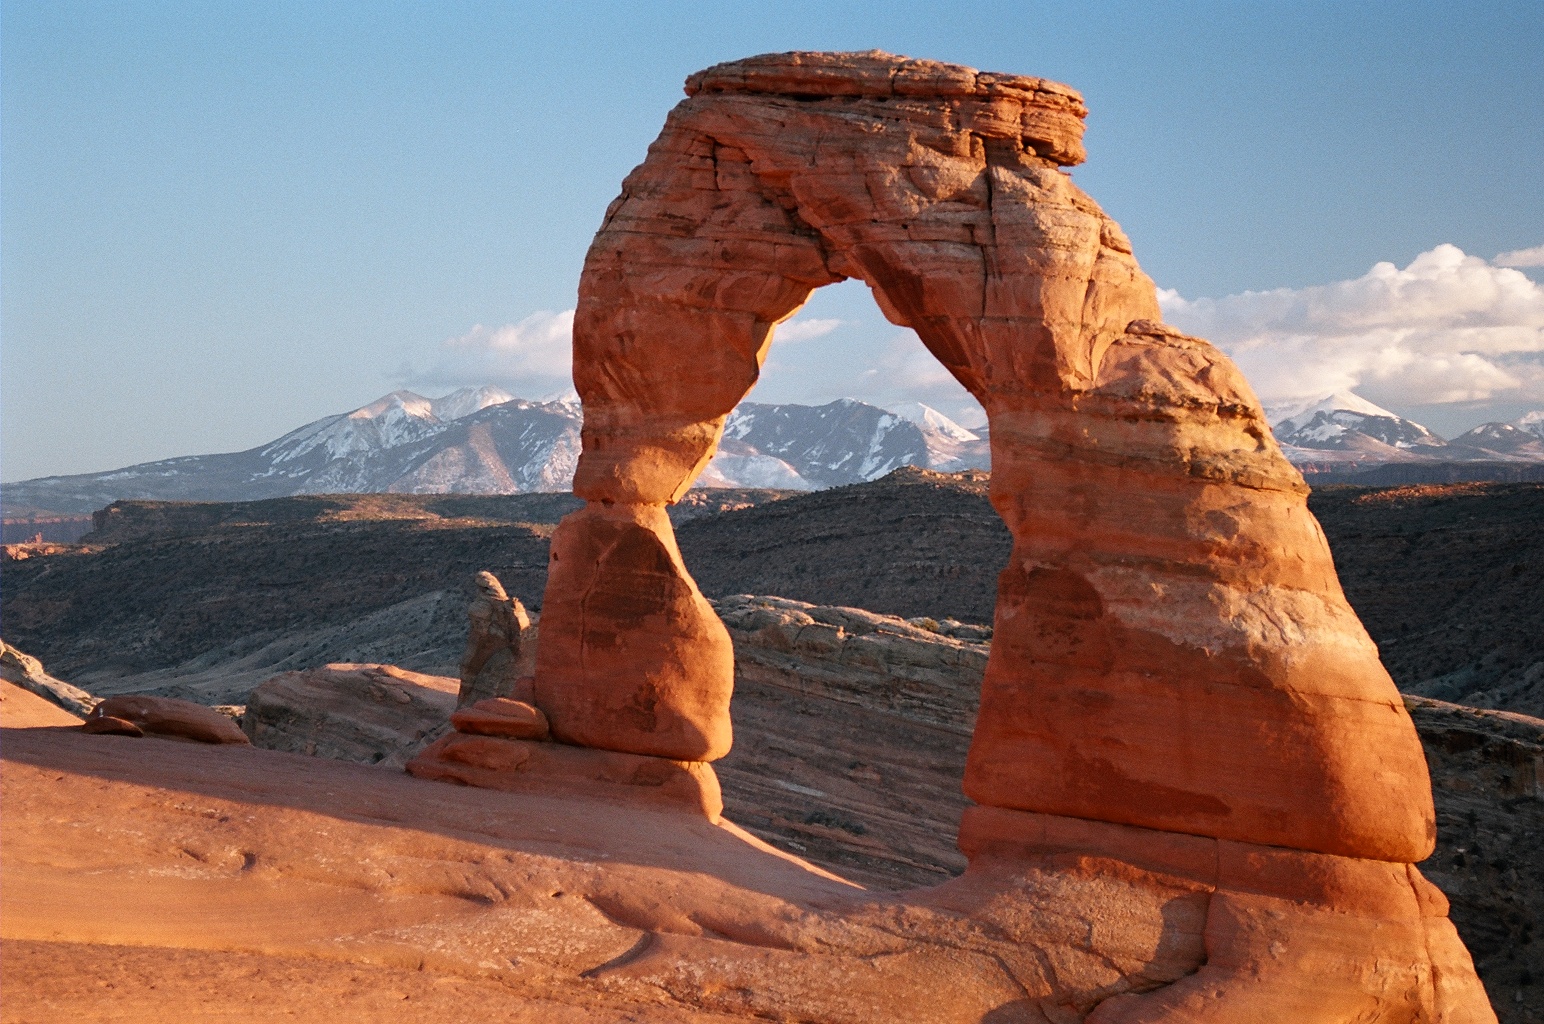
[804, 328]
[1447, 328]
[533, 357]
[1521, 258]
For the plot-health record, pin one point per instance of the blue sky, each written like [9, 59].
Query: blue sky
[218, 221]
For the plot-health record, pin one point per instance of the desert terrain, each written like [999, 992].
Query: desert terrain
[161, 599]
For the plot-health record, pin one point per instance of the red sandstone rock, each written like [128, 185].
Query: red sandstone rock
[167, 716]
[1289, 935]
[643, 664]
[109, 725]
[501, 716]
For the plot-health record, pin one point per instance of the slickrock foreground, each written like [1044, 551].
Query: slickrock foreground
[372, 714]
[264, 882]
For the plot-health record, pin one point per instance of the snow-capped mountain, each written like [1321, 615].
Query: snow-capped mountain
[1523, 438]
[1344, 431]
[1344, 422]
[476, 440]
[843, 442]
[482, 441]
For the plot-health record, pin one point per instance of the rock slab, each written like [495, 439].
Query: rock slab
[162, 716]
[518, 766]
[371, 714]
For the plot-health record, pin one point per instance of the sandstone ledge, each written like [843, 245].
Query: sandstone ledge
[517, 766]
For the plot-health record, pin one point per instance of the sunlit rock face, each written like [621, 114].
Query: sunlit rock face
[1172, 651]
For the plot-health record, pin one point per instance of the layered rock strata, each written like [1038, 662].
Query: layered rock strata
[1172, 650]
[505, 744]
[27, 672]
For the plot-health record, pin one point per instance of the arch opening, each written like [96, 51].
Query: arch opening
[847, 764]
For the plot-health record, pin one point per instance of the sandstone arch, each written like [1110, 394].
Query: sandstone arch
[1173, 649]
[1178, 692]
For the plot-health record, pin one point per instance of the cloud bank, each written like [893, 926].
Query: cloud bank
[1447, 328]
[805, 328]
[1521, 258]
[535, 356]
[531, 358]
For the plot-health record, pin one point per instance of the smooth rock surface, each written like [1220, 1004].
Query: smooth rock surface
[471, 903]
[110, 725]
[20, 708]
[518, 765]
[501, 716]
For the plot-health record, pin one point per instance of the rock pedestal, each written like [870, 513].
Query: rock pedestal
[1172, 650]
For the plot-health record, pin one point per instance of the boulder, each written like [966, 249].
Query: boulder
[492, 665]
[501, 716]
[641, 663]
[163, 716]
[372, 714]
[110, 725]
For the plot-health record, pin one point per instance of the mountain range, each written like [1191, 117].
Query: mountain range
[486, 441]
[1344, 432]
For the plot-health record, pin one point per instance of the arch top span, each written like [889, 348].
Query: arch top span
[1172, 648]
[939, 186]
[1037, 111]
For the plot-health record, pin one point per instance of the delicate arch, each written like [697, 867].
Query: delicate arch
[1172, 648]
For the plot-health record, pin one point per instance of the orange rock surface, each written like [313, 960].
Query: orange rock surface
[502, 716]
[150, 880]
[642, 664]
